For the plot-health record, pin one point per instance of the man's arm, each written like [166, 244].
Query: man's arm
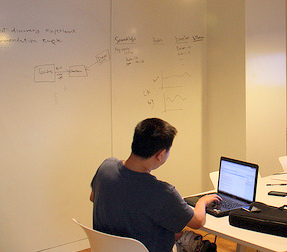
[199, 217]
[92, 196]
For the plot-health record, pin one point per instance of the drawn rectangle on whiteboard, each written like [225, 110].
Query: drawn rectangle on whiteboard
[44, 73]
[103, 57]
[78, 71]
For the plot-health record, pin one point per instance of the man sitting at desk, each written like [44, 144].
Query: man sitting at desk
[129, 201]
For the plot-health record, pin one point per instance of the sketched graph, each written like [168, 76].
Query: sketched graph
[173, 90]
[172, 80]
[173, 103]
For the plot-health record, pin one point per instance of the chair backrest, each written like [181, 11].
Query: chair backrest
[214, 178]
[102, 242]
[283, 162]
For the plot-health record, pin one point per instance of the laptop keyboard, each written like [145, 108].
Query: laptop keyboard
[227, 203]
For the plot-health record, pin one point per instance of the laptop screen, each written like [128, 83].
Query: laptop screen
[238, 178]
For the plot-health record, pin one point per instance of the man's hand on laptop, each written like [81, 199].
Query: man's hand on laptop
[198, 218]
[210, 199]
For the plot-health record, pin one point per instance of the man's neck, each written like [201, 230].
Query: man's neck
[138, 164]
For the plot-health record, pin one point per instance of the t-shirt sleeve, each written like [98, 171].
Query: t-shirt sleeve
[174, 213]
[96, 174]
[93, 180]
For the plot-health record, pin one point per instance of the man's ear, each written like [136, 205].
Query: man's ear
[160, 154]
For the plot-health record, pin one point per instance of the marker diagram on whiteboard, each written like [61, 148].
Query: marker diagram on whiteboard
[51, 73]
[167, 91]
[172, 93]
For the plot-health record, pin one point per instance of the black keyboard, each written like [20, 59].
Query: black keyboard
[228, 203]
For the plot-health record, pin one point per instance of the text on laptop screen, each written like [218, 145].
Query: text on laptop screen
[237, 179]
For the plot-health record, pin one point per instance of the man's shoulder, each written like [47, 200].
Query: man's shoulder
[163, 187]
[108, 165]
[111, 161]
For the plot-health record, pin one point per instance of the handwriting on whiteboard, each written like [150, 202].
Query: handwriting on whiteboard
[125, 40]
[34, 36]
[172, 87]
[126, 47]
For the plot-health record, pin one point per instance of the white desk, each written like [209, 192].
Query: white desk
[259, 241]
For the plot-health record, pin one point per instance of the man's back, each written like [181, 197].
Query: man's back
[137, 205]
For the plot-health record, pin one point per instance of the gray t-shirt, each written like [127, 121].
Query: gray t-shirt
[137, 205]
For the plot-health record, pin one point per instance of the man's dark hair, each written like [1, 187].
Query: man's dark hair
[152, 135]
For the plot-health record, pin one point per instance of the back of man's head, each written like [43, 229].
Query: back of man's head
[152, 135]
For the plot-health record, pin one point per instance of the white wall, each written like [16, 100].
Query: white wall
[265, 83]
[246, 94]
[226, 82]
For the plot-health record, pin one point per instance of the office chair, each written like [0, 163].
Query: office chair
[214, 178]
[283, 162]
[102, 242]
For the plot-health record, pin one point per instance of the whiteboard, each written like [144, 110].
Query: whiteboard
[158, 62]
[76, 77]
[55, 124]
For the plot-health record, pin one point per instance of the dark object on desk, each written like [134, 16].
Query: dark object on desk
[270, 220]
[276, 184]
[277, 193]
[237, 182]
[251, 209]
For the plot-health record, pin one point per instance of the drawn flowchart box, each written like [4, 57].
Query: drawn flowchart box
[78, 71]
[103, 57]
[44, 73]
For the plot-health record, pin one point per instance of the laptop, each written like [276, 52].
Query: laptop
[237, 183]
